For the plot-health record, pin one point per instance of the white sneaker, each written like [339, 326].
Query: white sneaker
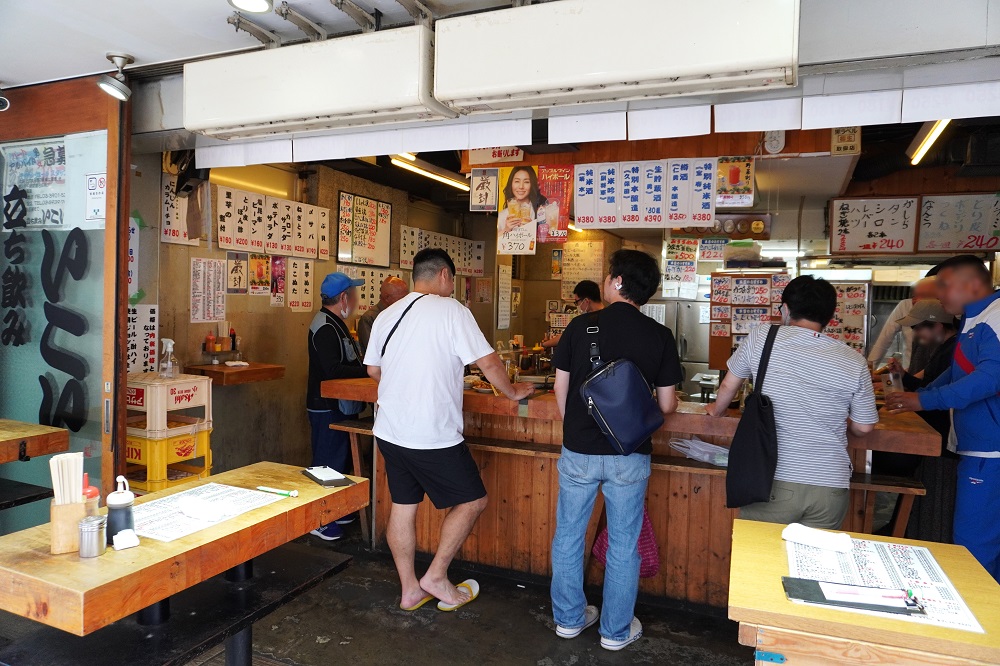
[590, 616]
[634, 634]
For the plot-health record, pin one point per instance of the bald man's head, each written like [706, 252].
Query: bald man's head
[925, 289]
[392, 290]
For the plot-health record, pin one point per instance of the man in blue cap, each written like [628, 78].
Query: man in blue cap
[333, 354]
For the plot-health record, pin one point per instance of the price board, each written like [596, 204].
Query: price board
[363, 229]
[960, 223]
[874, 226]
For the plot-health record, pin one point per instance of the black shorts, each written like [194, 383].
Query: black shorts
[449, 476]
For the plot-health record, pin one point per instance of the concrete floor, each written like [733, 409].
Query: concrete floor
[354, 618]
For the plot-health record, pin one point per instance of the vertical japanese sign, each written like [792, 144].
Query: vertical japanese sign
[652, 184]
[735, 182]
[631, 194]
[608, 195]
[680, 183]
[485, 190]
[133, 256]
[258, 227]
[173, 213]
[555, 183]
[345, 227]
[322, 233]
[272, 224]
[299, 215]
[241, 230]
[584, 196]
[703, 199]
[142, 338]
[225, 215]
[299, 285]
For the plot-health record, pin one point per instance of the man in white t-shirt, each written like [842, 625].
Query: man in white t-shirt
[417, 353]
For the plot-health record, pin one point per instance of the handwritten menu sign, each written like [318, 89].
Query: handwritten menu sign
[469, 256]
[299, 214]
[682, 249]
[322, 216]
[226, 218]
[363, 228]
[680, 192]
[582, 260]
[850, 319]
[368, 293]
[960, 222]
[597, 195]
[712, 249]
[173, 214]
[739, 302]
[875, 226]
[299, 284]
[257, 226]
[703, 192]
[680, 279]
[142, 338]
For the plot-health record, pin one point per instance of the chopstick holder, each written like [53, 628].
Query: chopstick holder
[65, 525]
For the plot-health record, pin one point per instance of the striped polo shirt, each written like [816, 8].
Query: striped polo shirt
[815, 383]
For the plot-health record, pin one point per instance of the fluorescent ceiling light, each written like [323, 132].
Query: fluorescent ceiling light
[925, 138]
[428, 170]
[573, 227]
[252, 6]
[407, 156]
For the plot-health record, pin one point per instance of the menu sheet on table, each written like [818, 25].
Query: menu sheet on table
[168, 518]
[888, 565]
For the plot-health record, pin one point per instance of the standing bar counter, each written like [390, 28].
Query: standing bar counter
[516, 446]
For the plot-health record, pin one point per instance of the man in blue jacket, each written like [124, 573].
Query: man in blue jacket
[971, 387]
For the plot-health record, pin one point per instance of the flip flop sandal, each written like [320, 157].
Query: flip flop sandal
[420, 603]
[472, 586]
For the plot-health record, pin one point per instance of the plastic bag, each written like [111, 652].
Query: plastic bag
[698, 450]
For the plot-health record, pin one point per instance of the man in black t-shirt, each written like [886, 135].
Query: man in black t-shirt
[588, 461]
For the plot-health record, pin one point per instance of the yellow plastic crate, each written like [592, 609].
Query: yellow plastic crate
[154, 464]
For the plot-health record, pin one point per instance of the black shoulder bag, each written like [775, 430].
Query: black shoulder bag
[619, 399]
[753, 455]
[396, 325]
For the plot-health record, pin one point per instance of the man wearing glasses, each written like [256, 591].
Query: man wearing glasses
[586, 298]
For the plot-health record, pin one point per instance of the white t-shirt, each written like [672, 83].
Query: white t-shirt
[420, 393]
[815, 383]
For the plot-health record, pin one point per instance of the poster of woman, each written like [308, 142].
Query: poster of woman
[521, 205]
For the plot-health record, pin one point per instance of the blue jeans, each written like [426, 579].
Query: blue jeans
[977, 504]
[623, 480]
[330, 447]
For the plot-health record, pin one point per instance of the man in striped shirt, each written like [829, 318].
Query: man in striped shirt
[820, 389]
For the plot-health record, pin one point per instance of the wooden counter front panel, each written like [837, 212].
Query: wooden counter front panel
[693, 528]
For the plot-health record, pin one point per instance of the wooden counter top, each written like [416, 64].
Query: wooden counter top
[39, 440]
[900, 433]
[224, 375]
[83, 595]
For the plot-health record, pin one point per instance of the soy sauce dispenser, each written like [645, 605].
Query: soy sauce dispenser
[120, 509]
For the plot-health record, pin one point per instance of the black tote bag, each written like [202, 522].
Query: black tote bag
[753, 455]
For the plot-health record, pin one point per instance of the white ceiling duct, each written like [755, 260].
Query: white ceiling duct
[366, 79]
[577, 51]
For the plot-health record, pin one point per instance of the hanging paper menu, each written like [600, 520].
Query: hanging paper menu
[680, 184]
[739, 302]
[877, 226]
[652, 184]
[173, 217]
[322, 233]
[631, 195]
[608, 195]
[582, 260]
[225, 232]
[272, 224]
[584, 196]
[258, 229]
[703, 192]
[286, 218]
[241, 226]
[850, 318]
[299, 212]
[311, 232]
[363, 230]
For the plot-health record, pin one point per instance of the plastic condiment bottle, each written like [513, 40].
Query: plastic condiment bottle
[120, 509]
[91, 496]
[170, 367]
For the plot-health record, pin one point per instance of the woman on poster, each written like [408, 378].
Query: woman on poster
[525, 203]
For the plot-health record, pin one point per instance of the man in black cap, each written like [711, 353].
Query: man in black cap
[333, 354]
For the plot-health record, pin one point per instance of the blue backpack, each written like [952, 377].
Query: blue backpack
[619, 399]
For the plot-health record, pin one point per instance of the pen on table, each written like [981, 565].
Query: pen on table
[283, 493]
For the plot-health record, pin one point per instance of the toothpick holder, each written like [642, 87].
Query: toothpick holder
[65, 525]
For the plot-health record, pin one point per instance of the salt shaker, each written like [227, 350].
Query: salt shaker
[120, 509]
[93, 541]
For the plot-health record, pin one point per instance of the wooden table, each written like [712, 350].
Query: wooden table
[224, 375]
[22, 441]
[82, 595]
[806, 634]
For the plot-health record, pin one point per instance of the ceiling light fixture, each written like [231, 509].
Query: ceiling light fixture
[407, 156]
[925, 138]
[252, 6]
[428, 170]
[573, 227]
[114, 84]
